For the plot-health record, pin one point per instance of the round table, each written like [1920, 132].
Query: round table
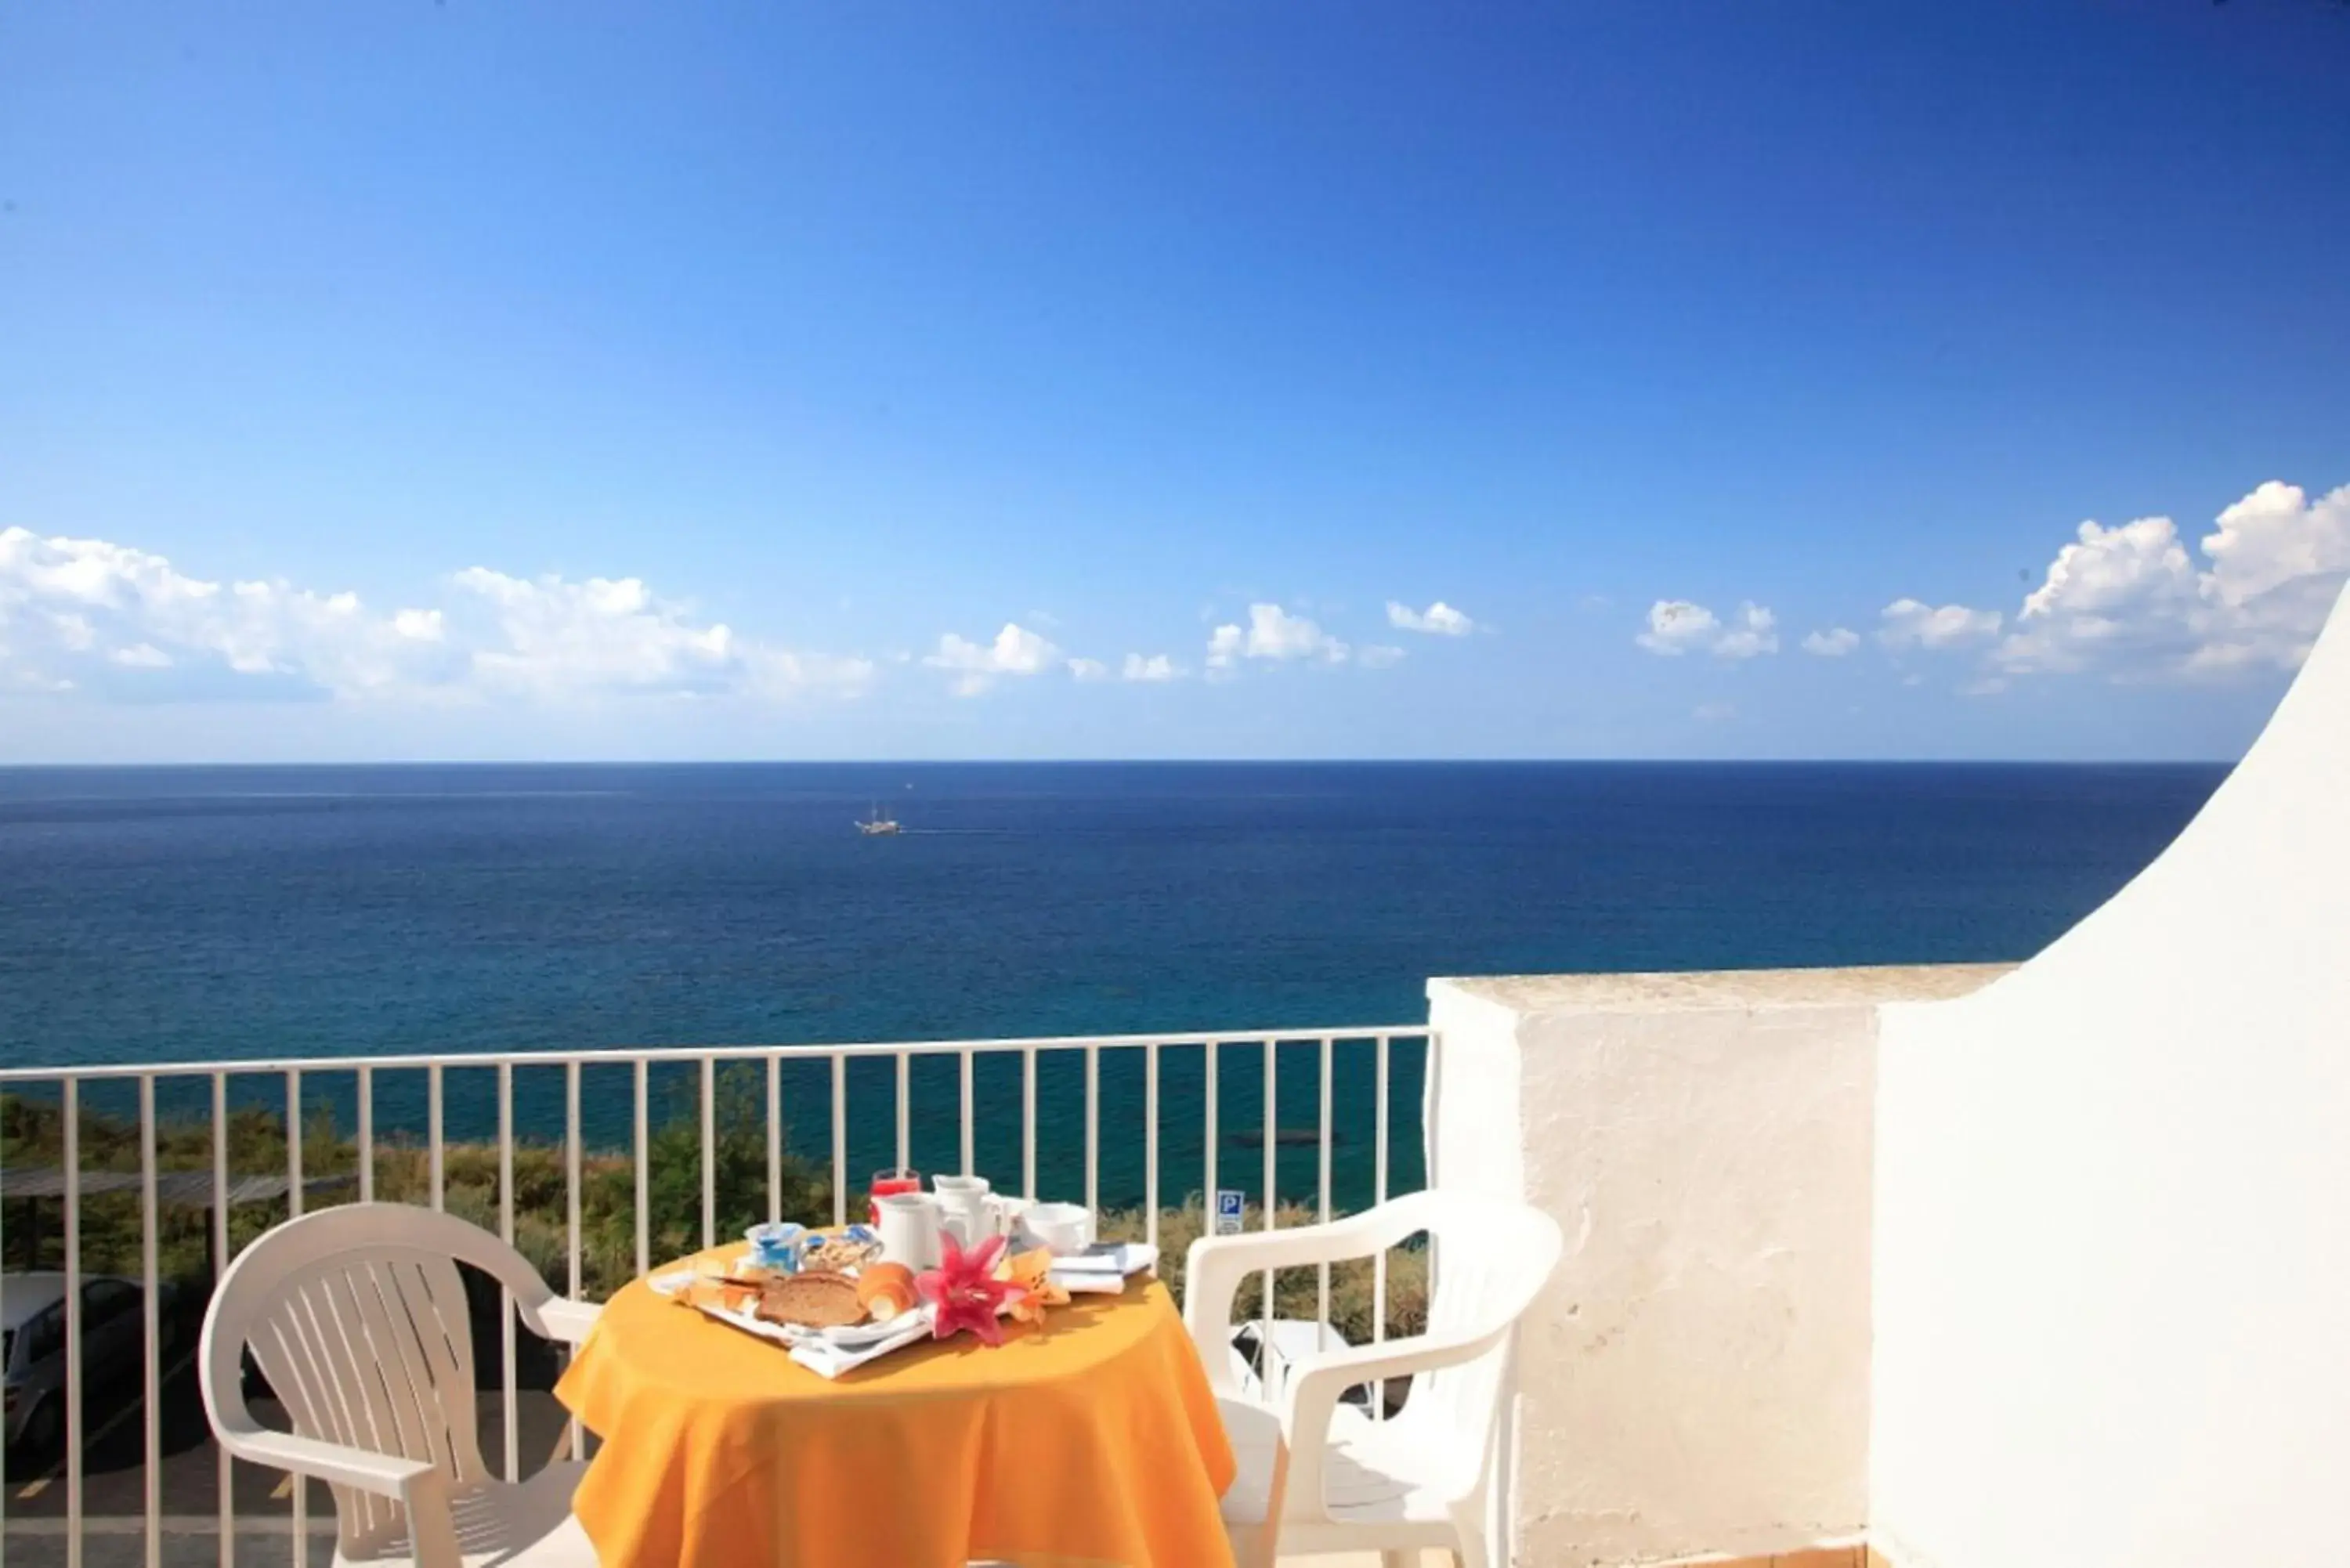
[1093, 1441]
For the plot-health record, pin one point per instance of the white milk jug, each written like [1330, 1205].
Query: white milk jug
[910, 1228]
[964, 1209]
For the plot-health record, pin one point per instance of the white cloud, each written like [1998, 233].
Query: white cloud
[2111, 592]
[1158, 667]
[1676, 627]
[1907, 623]
[73, 609]
[1016, 650]
[1833, 643]
[1271, 633]
[782, 674]
[1379, 657]
[552, 636]
[1750, 633]
[1440, 619]
[1226, 645]
[1714, 712]
[1089, 670]
[2276, 537]
[421, 626]
[2131, 601]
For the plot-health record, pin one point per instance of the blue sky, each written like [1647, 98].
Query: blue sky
[832, 382]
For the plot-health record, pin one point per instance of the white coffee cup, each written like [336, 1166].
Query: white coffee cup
[910, 1228]
[1062, 1229]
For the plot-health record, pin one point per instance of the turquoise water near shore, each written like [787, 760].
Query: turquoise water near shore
[175, 915]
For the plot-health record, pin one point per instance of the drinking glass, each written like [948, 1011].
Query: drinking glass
[885, 1183]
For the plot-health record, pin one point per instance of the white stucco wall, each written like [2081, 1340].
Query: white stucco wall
[1695, 1379]
[2112, 1263]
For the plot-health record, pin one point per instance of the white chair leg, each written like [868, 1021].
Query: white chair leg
[1253, 1544]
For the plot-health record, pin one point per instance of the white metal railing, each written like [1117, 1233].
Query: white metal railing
[213, 1093]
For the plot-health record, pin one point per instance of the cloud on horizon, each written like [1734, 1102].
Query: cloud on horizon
[84, 619]
[976, 667]
[1158, 667]
[1909, 624]
[1677, 627]
[1438, 620]
[113, 621]
[2130, 603]
[1273, 634]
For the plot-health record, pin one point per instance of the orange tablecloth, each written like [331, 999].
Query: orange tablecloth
[1096, 1440]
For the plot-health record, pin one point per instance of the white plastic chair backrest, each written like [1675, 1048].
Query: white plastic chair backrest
[357, 1316]
[1492, 1259]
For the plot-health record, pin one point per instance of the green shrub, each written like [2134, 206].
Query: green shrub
[31, 1135]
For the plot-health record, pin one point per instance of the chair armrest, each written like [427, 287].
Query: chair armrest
[1312, 1394]
[421, 1491]
[561, 1318]
[1215, 1265]
[337, 1464]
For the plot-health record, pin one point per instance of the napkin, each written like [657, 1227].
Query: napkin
[828, 1360]
[1105, 1267]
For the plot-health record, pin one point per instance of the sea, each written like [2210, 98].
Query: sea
[174, 915]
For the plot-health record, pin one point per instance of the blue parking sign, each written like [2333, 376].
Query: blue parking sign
[1229, 1201]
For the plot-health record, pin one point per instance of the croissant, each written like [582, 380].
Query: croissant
[885, 1290]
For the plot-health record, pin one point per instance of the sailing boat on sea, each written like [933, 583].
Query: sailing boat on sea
[875, 826]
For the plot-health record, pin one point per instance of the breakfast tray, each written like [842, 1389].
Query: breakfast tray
[826, 1352]
[829, 1352]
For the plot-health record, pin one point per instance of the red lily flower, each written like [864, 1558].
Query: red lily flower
[966, 1292]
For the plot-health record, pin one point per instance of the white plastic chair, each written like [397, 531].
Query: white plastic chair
[1318, 1476]
[357, 1316]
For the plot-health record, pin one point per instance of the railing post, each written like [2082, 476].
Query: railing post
[433, 1155]
[224, 1496]
[644, 1184]
[1150, 1143]
[300, 1543]
[774, 1136]
[573, 1434]
[1380, 1196]
[1093, 1127]
[1028, 1122]
[709, 1152]
[151, 1361]
[73, 1390]
[509, 1386]
[840, 1139]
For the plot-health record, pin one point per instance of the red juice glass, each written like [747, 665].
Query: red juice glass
[884, 1184]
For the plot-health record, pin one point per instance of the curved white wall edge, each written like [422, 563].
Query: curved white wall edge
[2110, 1262]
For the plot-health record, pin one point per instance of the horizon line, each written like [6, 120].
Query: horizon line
[1134, 761]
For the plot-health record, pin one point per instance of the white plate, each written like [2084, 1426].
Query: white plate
[847, 1336]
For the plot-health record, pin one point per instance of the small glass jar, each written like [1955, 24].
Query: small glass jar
[777, 1246]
